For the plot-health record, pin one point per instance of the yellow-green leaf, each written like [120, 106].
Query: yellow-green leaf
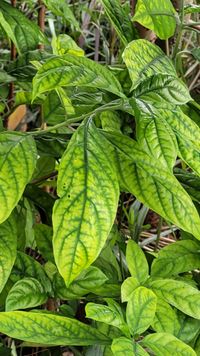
[49, 329]
[140, 310]
[89, 192]
[128, 286]
[166, 319]
[70, 71]
[167, 344]
[123, 346]
[180, 257]
[162, 193]
[179, 294]
[26, 293]
[156, 15]
[17, 163]
[144, 59]
[8, 248]
[137, 262]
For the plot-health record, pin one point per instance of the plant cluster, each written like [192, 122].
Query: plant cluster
[92, 135]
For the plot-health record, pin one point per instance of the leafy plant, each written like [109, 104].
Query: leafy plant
[96, 136]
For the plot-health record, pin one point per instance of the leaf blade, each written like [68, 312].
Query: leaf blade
[85, 211]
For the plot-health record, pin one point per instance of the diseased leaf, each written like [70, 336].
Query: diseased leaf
[128, 286]
[166, 319]
[167, 344]
[155, 135]
[111, 315]
[152, 184]
[26, 266]
[120, 20]
[140, 310]
[85, 212]
[90, 279]
[163, 87]
[49, 329]
[182, 256]
[179, 294]
[63, 44]
[25, 34]
[144, 59]
[137, 262]
[156, 15]
[17, 163]
[124, 346]
[26, 293]
[190, 182]
[8, 248]
[72, 71]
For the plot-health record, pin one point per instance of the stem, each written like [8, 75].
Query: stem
[12, 57]
[109, 106]
[41, 19]
[158, 232]
[180, 30]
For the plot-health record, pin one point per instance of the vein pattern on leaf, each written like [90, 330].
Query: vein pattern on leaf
[153, 184]
[17, 162]
[72, 71]
[48, 329]
[144, 59]
[8, 249]
[88, 190]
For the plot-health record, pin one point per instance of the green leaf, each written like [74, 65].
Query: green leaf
[44, 167]
[191, 9]
[72, 71]
[120, 20]
[25, 34]
[140, 310]
[8, 248]
[162, 193]
[144, 59]
[156, 15]
[49, 329]
[124, 346]
[43, 236]
[110, 120]
[128, 286]
[188, 329]
[26, 293]
[22, 68]
[166, 319]
[182, 256]
[167, 344]
[17, 162]
[63, 44]
[90, 279]
[111, 314]
[137, 262]
[163, 87]
[62, 9]
[189, 153]
[179, 294]
[5, 77]
[190, 182]
[155, 135]
[187, 135]
[26, 266]
[85, 212]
